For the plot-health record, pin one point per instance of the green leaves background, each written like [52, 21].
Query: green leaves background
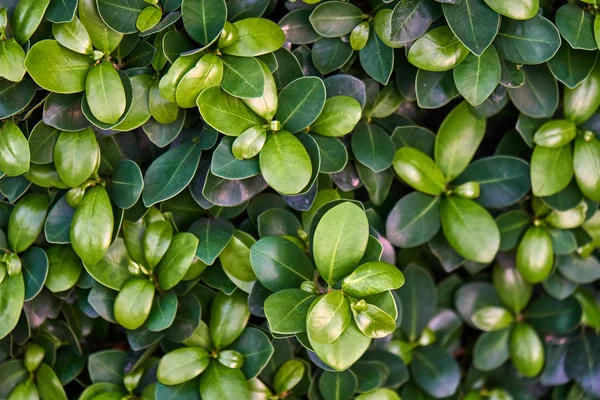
[311, 199]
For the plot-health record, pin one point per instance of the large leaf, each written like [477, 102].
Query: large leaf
[457, 141]
[435, 371]
[284, 163]
[286, 310]
[170, 173]
[133, 303]
[280, 264]
[104, 38]
[27, 17]
[219, 382]
[335, 19]
[470, 229]
[414, 220]
[14, 150]
[340, 241]
[105, 93]
[120, 15]
[417, 310]
[411, 19]
[75, 156]
[300, 103]
[551, 169]
[92, 226]
[56, 68]
[256, 36]
[204, 20]
[438, 50]
[477, 77]
[479, 30]
[12, 294]
[532, 41]
[328, 317]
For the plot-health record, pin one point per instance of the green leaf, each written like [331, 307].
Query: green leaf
[170, 173]
[550, 316]
[225, 165]
[220, 382]
[257, 350]
[207, 72]
[92, 226]
[228, 318]
[266, 104]
[182, 365]
[510, 286]
[345, 350]
[56, 68]
[107, 366]
[335, 19]
[586, 162]
[503, 180]
[148, 18]
[64, 268]
[14, 150]
[328, 318]
[570, 66]
[538, 97]
[225, 113]
[576, 26]
[297, 27]
[204, 20]
[177, 259]
[491, 350]
[35, 270]
[284, 163]
[470, 229]
[419, 171]
[338, 385]
[329, 54]
[11, 61]
[519, 9]
[457, 141]
[163, 312]
[374, 322]
[48, 384]
[213, 235]
[411, 19]
[555, 133]
[280, 264]
[435, 371]
[235, 259]
[26, 18]
[104, 38]
[372, 147]
[256, 36]
[25, 390]
[551, 169]
[582, 364]
[532, 41]
[27, 221]
[580, 103]
[492, 318]
[577, 269]
[121, 16]
[372, 278]
[156, 241]
[438, 50]
[377, 59]
[339, 116]
[340, 241]
[300, 103]
[76, 156]
[12, 294]
[414, 220]
[417, 313]
[334, 155]
[476, 33]
[126, 184]
[249, 143]
[41, 143]
[526, 350]
[477, 77]
[288, 376]
[286, 310]
[133, 303]
[243, 77]
[73, 36]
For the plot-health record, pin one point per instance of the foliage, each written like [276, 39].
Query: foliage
[262, 199]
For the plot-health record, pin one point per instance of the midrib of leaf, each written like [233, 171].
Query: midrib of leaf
[298, 105]
[283, 264]
[335, 249]
[423, 212]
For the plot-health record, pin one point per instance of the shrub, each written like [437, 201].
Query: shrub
[262, 199]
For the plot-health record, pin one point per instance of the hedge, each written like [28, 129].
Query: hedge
[323, 200]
